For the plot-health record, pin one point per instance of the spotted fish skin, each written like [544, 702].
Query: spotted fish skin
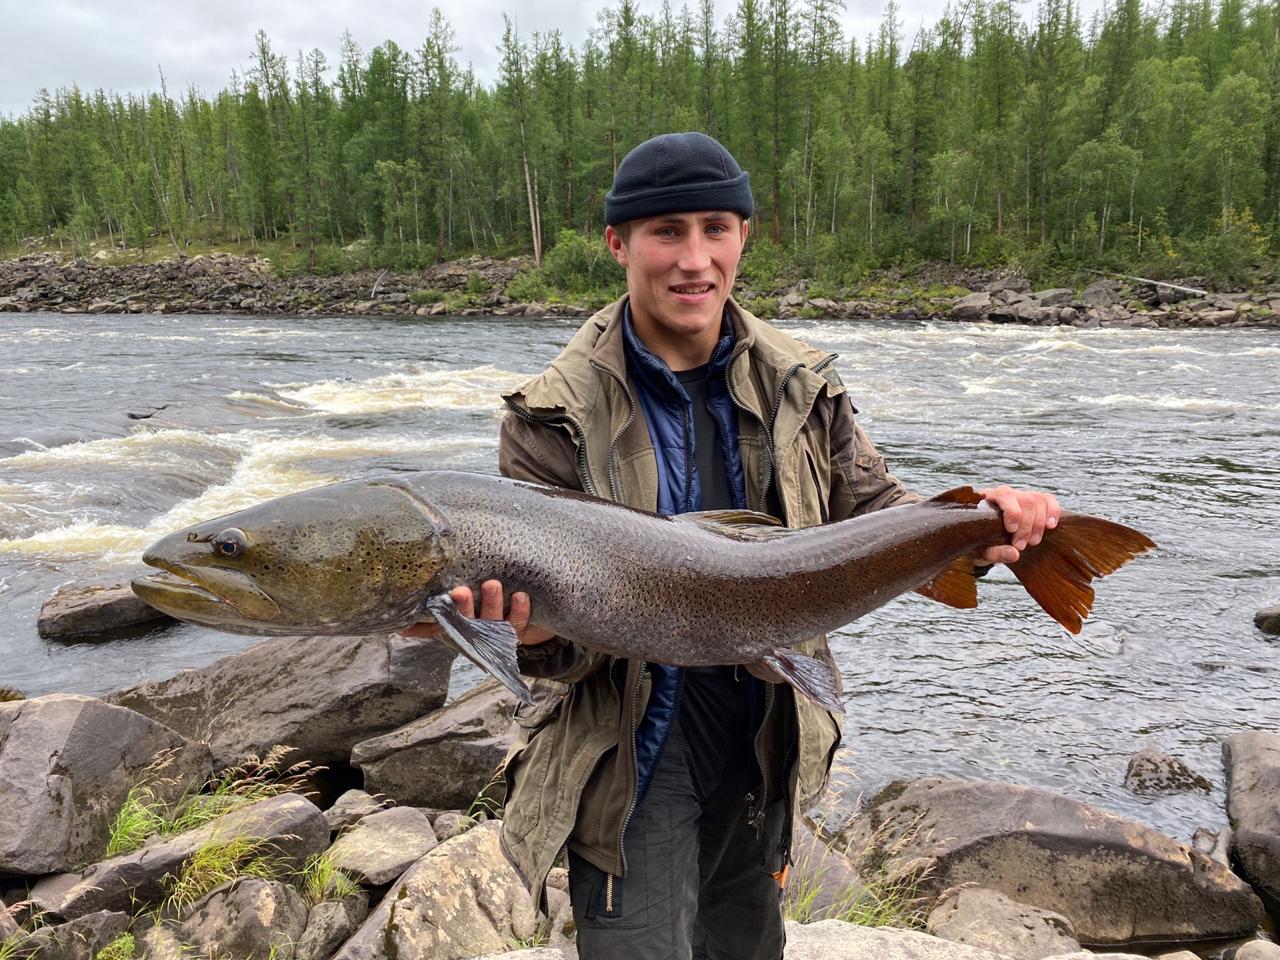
[698, 589]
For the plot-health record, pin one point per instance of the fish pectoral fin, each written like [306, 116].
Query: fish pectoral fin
[956, 585]
[489, 644]
[812, 677]
[737, 524]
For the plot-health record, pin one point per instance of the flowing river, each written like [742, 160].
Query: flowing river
[116, 429]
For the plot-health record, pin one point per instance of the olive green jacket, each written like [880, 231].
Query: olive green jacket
[571, 775]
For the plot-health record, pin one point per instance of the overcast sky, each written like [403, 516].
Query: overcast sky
[122, 45]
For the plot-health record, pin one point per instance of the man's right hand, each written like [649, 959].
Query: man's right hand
[491, 608]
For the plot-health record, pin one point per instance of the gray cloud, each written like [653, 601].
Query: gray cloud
[122, 46]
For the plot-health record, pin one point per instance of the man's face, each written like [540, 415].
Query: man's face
[680, 271]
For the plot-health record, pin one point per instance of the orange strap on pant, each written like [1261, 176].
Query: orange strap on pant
[781, 876]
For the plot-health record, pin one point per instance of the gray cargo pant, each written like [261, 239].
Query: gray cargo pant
[699, 880]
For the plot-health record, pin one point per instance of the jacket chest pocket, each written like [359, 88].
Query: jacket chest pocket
[528, 763]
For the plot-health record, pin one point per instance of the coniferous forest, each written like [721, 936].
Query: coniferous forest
[1143, 137]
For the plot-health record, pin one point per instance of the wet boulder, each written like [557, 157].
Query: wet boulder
[1253, 806]
[1152, 773]
[320, 695]
[460, 900]
[1268, 620]
[249, 919]
[67, 763]
[985, 918]
[443, 760]
[81, 610]
[838, 940]
[973, 307]
[1116, 880]
[383, 845]
[289, 827]
[1054, 297]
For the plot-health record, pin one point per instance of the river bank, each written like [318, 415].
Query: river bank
[222, 283]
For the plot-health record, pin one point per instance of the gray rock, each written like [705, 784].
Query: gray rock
[1268, 620]
[249, 919]
[443, 760]
[292, 827]
[66, 764]
[822, 883]
[451, 823]
[838, 940]
[1253, 806]
[1008, 285]
[80, 939]
[80, 610]
[988, 919]
[384, 845]
[161, 943]
[320, 695]
[972, 307]
[1055, 853]
[461, 900]
[792, 300]
[350, 808]
[1152, 773]
[1101, 293]
[1178, 955]
[8, 926]
[826, 307]
[329, 925]
[1054, 296]
[535, 953]
[1258, 950]
[1215, 844]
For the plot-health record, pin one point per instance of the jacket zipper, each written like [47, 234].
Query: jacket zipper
[635, 768]
[768, 436]
[608, 893]
[756, 817]
[614, 483]
[579, 435]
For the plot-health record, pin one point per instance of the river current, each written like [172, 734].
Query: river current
[116, 429]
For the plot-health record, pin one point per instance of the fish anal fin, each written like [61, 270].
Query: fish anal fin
[1058, 570]
[489, 644]
[965, 495]
[956, 586]
[812, 677]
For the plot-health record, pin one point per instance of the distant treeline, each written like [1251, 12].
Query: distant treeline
[1144, 136]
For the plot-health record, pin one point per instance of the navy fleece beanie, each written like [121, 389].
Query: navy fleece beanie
[677, 173]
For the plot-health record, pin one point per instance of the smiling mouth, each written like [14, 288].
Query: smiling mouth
[693, 289]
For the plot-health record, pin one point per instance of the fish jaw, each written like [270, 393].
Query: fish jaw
[209, 596]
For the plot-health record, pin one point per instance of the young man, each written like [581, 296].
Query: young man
[676, 789]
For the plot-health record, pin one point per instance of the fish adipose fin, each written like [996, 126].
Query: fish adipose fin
[1057, 571]
[737, 524]
[490, 644]
[965, 495]
[815, 679]
[956, 586]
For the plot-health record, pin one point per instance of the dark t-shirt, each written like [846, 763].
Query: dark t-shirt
[708, 453]
[713, 709]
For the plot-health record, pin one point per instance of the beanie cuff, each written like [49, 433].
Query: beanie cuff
[733, 195]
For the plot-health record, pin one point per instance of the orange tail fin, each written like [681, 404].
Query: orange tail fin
[1058, 570]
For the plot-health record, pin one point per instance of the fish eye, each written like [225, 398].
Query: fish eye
[230, 543]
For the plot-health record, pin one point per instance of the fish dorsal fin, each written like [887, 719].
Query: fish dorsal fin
[956, 585]
[738, 524]
[965, 495]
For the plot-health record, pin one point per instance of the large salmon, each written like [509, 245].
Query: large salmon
[724, 587]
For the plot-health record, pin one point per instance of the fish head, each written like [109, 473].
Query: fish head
[356, 557]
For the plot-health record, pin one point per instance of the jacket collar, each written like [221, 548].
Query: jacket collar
[652, 374]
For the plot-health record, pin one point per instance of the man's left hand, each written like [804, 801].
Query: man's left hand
[1027, 515]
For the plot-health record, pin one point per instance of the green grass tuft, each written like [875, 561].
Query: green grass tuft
[219, 862]
[121, 948]
[320, 879]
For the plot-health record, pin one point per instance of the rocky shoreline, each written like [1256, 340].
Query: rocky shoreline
[391, 848]
[225, 283]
